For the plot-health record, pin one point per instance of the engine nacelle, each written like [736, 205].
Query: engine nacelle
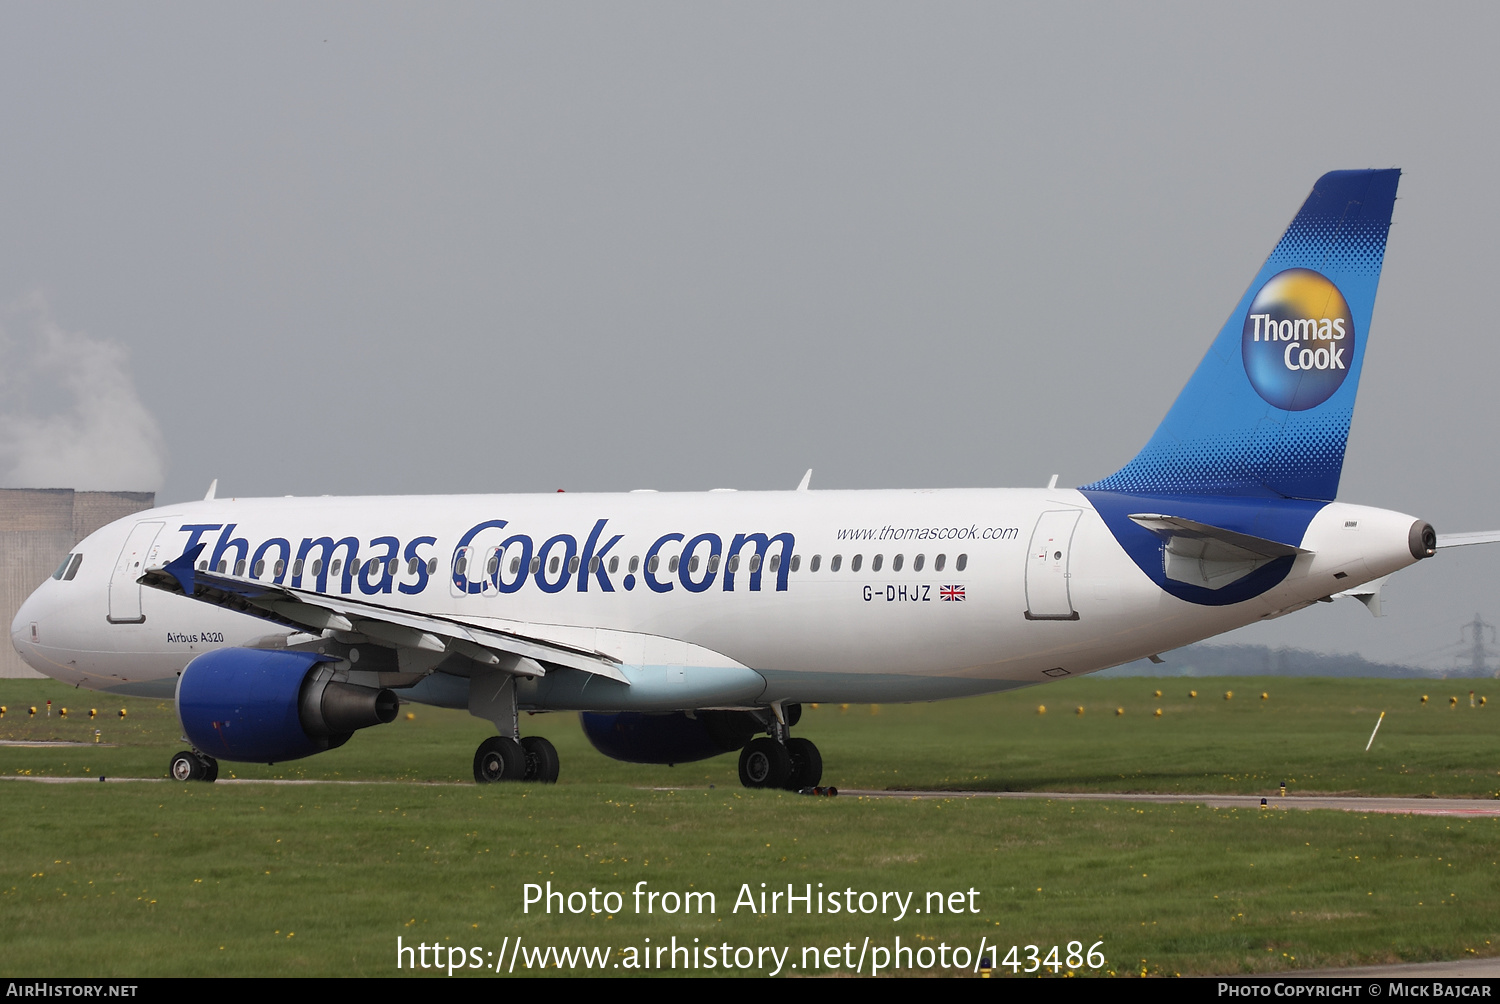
[644, 737]
[265, 706]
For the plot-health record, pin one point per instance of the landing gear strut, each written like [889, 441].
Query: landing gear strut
[191, 766]
[779, 761]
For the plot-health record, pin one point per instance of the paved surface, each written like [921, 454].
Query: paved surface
[1346, 803]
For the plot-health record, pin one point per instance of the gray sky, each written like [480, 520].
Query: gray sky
[462, 248]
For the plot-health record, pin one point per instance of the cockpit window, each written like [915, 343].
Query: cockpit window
[63, 567]
[73, 568]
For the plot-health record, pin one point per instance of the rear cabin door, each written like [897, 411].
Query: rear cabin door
[1048, 596]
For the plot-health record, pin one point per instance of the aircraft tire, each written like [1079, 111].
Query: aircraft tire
[210, 768]
[765, 763]
[541, 760]
[807, 764]
[499, 758]
[186, 766]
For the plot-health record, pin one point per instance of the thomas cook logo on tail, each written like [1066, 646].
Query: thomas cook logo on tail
[1298, 342]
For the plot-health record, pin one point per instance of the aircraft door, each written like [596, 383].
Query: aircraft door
[1048, 596]
[138, 554]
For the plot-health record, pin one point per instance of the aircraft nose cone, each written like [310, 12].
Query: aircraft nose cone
[25, 630]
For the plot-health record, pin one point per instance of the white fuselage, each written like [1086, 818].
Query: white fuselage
[861, 595]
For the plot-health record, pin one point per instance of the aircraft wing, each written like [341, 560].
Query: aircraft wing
[409, 633]
[1470, 537]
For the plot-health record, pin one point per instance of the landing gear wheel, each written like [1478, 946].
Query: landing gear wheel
[807, 764]
[764, 763]
[186, 766]
[499, 758]
[541, 760]
[210, 768]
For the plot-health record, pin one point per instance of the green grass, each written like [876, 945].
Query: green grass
[166, 879]
[1310, 733]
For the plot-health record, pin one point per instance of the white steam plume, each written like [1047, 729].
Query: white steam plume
[70, 416]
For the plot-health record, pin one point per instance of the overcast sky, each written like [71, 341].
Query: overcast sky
[362, 248]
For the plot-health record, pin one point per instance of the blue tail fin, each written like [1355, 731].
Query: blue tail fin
[1266, 414]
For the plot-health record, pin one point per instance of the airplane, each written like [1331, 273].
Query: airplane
[683, 626]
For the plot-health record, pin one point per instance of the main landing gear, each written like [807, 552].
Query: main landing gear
[776, 760]
[501, 758]
[192, 766]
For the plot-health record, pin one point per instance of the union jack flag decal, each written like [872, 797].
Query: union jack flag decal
[952, 593]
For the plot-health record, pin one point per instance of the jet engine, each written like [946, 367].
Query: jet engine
[675, 737]
[264, 706]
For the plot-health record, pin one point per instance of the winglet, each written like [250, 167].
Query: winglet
[213, 486]
[802, 485]
[181, 568]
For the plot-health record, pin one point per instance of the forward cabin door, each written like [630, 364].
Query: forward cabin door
[138, 554]
[1048, 596]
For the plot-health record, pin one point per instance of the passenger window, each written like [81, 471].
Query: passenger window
[916, 563]
[202, 566]
[774, 563]
[573, 563]
[713, 563]
[938, 562]
[460, 567]
[672, 565]
[515, 564]
[239, 567]
[553, 565]
[838, 559]
[896, 563]
[73, 568]
[278, 569]
[593, 564]
[875, 565]
[393, 566]
[614, 564]
[854, 562]
[734, 563]
[755, 562]
[223, 567]
[432, 566]
[317, 567]
[297, 567]
[67, 559]
[817, 560]
[653, 564]
[962, 563]
[796, 562]
[536, 565]
[411, 567]
[635, 563]
[494, 564]
[693, 565]
[260, 567]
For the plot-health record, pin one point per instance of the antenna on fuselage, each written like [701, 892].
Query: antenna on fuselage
[802, 485]
[213, 486]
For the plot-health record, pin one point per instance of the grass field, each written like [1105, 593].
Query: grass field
[164, 878]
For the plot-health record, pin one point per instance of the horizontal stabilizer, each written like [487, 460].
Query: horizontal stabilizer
[1209, 556]
[1470, 537]
[403, 630]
